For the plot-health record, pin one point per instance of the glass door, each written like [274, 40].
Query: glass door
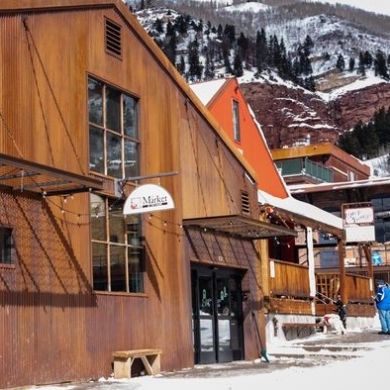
[217, 315]
[223, 317]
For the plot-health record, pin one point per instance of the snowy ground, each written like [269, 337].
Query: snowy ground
[318, 362]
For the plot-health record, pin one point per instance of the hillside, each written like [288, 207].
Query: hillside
[282, 66]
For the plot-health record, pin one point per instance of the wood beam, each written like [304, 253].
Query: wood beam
[343, 291]
[370, 268]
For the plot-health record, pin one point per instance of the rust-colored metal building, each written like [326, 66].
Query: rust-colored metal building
[89, 109]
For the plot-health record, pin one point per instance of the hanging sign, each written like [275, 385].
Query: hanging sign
[358, 222]
[148, 198]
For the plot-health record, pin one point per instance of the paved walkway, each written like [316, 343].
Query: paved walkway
[317, 350]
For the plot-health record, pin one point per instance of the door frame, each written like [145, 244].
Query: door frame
[214, 273]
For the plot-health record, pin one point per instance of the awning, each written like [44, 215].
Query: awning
[239, 225]
[304, 213]
[21, 175]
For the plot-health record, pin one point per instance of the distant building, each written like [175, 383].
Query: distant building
[318, 163]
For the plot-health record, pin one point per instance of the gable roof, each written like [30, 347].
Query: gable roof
[211, 92]
[207, 90]
[25, 6]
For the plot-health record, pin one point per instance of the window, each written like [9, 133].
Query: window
[113, 131]
[117, 249]
[236, 121]
[6, 246]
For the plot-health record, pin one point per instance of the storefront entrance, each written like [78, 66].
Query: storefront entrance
[217, 314]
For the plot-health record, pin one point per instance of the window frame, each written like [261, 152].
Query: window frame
[125, 245]
[236, 120]
[108, 131]
[11, 262]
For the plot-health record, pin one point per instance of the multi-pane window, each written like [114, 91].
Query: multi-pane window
[236, 121]
[113, 131]
[117, 248]
[6, 246]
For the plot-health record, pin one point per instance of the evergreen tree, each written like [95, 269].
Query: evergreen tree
[181, 66]
[367, 59]
[310, 84]
[226, 54]
[243, 45]
[261, 50]
[195, 67]
[276, 52]
[362, 67]
[349, 143]
[340, 64]
[237, 65]
[181, 25]
[209, 66]
[230, 32]
[170, 48]
[170, 29]
[219, 31]
[158, 25]
[296, 69]
[304, 62]
[382, 126]
[380, 65]
[351, 64]
[308, 45]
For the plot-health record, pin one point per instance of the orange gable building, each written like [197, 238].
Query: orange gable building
[227, 103]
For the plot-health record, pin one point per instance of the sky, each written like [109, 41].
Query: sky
[378, 6]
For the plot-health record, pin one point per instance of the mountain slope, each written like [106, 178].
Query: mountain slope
[288, 113]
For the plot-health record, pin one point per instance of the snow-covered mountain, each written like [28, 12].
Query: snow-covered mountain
[337, 55]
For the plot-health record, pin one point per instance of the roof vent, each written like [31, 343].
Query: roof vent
[113, 38]
[245, 204]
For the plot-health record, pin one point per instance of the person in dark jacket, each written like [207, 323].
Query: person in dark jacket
[341, 310]
[382, 300]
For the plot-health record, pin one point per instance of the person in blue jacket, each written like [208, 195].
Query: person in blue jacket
[382, 300]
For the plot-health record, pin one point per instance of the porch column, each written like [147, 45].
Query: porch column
[311, 261]
[264, 267]
[370, 268]
[343, 291]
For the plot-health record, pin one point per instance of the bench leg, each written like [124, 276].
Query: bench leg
[155, 362]
[122, 368]
[152, 365]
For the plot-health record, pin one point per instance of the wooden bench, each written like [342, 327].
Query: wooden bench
[123, 360]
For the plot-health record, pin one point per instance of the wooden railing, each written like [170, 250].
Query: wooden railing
[290, 280]
[357, 287]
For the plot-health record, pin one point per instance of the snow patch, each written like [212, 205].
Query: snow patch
[251, 6]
